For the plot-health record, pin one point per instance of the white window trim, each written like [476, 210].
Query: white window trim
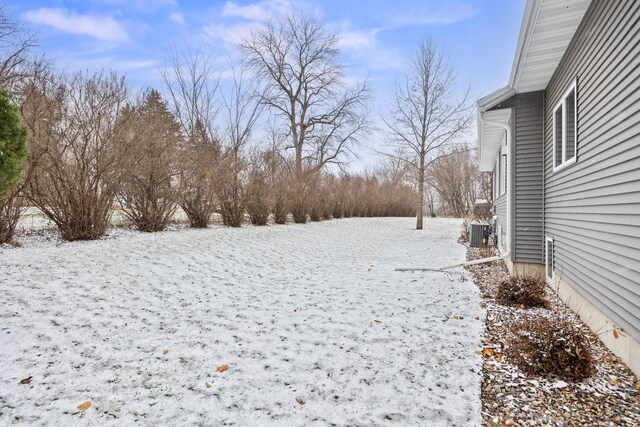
[549, 277]
[563, 103]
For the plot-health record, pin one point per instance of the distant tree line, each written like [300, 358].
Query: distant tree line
[266, 144]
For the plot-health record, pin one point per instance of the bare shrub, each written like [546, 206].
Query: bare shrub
[316, 199]
[257, 193]
[299, 202]
[465, 228]
[149, 192]
[278, 171]
[199, 159]
[230, 190]
[11, 207]
[553, 347]
[75, 158]
[527, 291]
[365, 195]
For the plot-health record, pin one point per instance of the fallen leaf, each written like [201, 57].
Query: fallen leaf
[487, 352]
[521, 306]
[377, 321]
[207, 385]
[84, 406]
[300, 401]
[615, 333]
[165, 351]
[26, 380]
[117, 408]
[638, 386]
[222, 368]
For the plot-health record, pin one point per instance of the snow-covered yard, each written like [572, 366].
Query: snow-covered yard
[315, 327]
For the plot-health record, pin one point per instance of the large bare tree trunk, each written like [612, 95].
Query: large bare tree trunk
[420, 209]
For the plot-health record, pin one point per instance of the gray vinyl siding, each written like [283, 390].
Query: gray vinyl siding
[592, 208]
[501, 210]
[526, 165]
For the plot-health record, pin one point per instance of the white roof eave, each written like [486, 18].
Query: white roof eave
[487, 143]
[491, 136]
[544, 22]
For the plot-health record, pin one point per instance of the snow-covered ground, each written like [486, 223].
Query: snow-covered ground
[315, 327]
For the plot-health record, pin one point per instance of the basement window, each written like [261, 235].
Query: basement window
[548, 259]
[565, 129]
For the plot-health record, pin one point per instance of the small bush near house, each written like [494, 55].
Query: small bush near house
[552, 347]
[527, 291]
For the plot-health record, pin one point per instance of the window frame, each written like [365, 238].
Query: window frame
[563, 104]
[549, 277]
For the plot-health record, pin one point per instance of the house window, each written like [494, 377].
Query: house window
[548, 258]
[565, 129]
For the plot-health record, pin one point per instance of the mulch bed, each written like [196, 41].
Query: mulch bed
[611, 397]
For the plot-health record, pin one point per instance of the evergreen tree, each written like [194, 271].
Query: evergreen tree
[13, 144]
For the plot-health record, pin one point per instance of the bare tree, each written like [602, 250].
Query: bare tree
[425, 117]
[242, 109]
[298, 61]
[16, 44]
[75, 158]
[192, 85]
[454, 177]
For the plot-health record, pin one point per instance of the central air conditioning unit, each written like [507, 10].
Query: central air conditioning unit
[479, 235]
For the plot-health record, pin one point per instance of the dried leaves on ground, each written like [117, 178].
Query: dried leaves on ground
[510, 396]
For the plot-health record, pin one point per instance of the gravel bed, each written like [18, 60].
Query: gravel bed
[611, 397]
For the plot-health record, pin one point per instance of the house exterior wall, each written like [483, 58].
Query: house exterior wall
[501, 214]
[528, 131]
[526, 169]
[592, 208]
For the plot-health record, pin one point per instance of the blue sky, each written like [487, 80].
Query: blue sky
[377, 36]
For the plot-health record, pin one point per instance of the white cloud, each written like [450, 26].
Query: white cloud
[143, 5]
[350, 39]
[260, 11]
[177, 17]
[421, 15]
[230, 34]
[102, 28]
[252, 12]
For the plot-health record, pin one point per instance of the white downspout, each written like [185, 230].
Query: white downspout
[509, 196]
